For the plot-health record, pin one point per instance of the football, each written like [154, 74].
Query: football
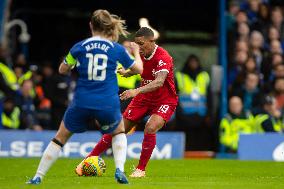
[94, 166]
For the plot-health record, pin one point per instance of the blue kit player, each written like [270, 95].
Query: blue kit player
[96, 93]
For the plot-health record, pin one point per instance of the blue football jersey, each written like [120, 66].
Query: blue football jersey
[96, 60]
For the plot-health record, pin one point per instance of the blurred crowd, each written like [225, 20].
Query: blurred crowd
[32, 96]
[255, 70]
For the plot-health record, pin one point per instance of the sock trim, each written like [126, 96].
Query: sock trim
[119, 133]
[57, 142]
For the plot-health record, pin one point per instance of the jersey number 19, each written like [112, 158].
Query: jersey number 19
[97, 71]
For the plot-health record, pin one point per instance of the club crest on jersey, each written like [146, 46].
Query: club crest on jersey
[161, 63]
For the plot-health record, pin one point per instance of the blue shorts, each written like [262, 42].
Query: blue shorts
[76, 118]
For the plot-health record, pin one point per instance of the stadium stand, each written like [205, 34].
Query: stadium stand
[255, 54]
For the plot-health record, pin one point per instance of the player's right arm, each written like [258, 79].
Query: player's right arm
[136, 66]
[70, 61]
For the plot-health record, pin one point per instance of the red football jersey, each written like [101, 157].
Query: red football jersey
[160, 60]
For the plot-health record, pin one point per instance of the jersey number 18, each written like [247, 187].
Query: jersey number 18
[97, 71]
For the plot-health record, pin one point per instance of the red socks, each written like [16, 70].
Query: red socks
[148, 146]
[102, 145]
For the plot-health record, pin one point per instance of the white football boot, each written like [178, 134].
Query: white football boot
[137, 173]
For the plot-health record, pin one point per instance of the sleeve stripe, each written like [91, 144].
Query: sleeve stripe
[162, 70]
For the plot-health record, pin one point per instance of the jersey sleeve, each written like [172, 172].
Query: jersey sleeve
[165, 63]
[125, 59]
[71, 58]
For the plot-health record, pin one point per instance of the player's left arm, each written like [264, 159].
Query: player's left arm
[152, 86]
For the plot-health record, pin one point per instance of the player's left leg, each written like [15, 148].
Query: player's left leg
[51, 153]
[153, 125]
[73, 122]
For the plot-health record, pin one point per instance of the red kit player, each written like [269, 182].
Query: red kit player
[156, 97]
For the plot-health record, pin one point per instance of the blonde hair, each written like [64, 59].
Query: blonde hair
[108, 24]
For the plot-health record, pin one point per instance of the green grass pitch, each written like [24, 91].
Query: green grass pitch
[161, 174]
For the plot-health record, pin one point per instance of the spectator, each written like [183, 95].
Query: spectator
[278, 91]
[9, 76]
[249, 92]
[277, 72]
[43, 104]
[11, 114]
[243, 32]
[236, 122]
[277, 21]
[231, 16]
[18, 71]
[242, 45]
[262, 20]
[268, 118]
[269, 65]
[5, 88]
[248, 67]
[277, 59]
[55, 88]
[252, 77]
[22, 69]
[275, 47]
[273, 33]
[25, 100]
[237, 66]
[193, 110]
[256, 46]
[241, 17]
[253, 10]
[240, 32]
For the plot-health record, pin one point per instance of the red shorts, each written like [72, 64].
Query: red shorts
[136, 110]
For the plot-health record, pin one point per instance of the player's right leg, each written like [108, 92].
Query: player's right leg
[160, 115]
[152, 126]
[119, 148]
[51, 153]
